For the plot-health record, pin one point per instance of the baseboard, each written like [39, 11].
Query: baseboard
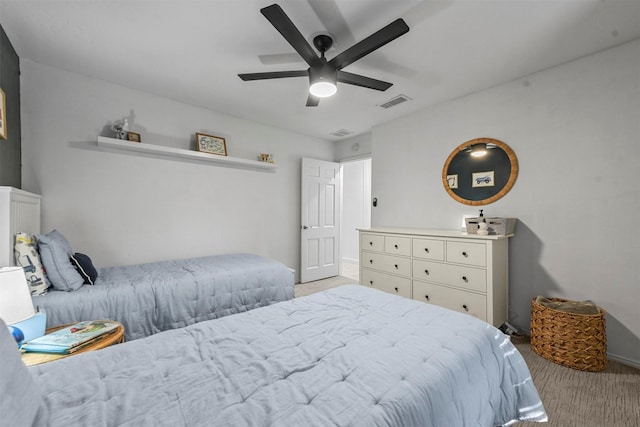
[624, 360]
[349, 267]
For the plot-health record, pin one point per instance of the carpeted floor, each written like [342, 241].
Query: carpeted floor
[572, 398]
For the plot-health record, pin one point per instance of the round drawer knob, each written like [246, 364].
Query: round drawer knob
[464, 279]
[371, 282]
[370, 261]
[426, 297]
[465, 254]
[465, 307]
[370, 243]
[426, 272]
[426, 250]
[396, 266]
[396, 289]
[395, 246]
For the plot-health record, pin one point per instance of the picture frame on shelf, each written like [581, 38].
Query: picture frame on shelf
[3, 115]
[134, 137]
[211, 144]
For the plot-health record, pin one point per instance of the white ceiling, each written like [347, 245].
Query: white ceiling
[192, 50]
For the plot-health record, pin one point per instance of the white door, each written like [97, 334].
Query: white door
[320, 233]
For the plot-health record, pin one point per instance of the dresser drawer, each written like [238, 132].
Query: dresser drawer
[397, 245]
[386, 282]
[454, 299]
[428, 249]
[386, 263]
[467, 253]
[371, 242]
[474, 279]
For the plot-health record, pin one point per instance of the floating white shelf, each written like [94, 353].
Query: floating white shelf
[185, 154]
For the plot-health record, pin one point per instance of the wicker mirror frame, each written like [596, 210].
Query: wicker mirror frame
[504, 160]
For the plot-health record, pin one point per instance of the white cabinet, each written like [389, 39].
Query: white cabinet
[19, 212]
[456, 270]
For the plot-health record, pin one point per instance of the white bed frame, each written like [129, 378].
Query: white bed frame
[19, 212]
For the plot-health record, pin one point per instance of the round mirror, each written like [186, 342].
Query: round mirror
[480, 171]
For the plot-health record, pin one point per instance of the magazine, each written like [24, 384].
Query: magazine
[69, 339]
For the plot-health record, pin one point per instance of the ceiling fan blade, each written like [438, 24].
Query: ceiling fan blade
[371, 43]
[312, 101]
[286, 27]
[273, 75]
[358, 80]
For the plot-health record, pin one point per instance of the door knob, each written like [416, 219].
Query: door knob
[304, 227]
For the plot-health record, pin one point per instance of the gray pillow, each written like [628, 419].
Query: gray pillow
[20, 394]
[55, 252]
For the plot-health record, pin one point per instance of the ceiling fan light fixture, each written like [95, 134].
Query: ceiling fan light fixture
[323, 89]
[323, 74]
[322, 81]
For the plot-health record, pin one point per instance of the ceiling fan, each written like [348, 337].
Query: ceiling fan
[323, 75]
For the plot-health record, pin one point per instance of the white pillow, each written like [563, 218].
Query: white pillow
[27, 257]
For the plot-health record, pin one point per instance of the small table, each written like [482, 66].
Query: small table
[115, 337]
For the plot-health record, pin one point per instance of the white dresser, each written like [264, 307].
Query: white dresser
[19, 212]
[453, 269]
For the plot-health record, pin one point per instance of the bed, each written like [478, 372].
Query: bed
[350, 356]
[153, 297]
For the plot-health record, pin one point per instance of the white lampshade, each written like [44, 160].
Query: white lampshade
[15, 299]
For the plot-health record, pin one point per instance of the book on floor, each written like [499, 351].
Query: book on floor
[72, 338]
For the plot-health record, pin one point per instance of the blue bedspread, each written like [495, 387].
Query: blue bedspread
[149, 298]
[350, 356]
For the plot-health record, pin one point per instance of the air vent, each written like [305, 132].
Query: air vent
[395, 101]
[342, 132]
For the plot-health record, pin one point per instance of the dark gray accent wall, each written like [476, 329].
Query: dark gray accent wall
[10, 148]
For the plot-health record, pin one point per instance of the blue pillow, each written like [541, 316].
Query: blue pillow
[85, 267]
[55, 251]
[20, 393]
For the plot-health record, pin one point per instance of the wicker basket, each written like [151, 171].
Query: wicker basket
[578, 341]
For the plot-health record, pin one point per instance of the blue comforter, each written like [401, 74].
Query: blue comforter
[350, 356]
[149, 298]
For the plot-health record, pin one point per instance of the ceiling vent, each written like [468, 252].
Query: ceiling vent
[342, 132]
[395, 101]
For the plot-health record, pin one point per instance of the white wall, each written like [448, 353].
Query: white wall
[356, 147]
[575, 130]
[125, 208]
[356, 207]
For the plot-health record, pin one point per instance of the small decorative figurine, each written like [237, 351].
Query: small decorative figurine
[483, 227]
[266, 157]
[121, 129]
